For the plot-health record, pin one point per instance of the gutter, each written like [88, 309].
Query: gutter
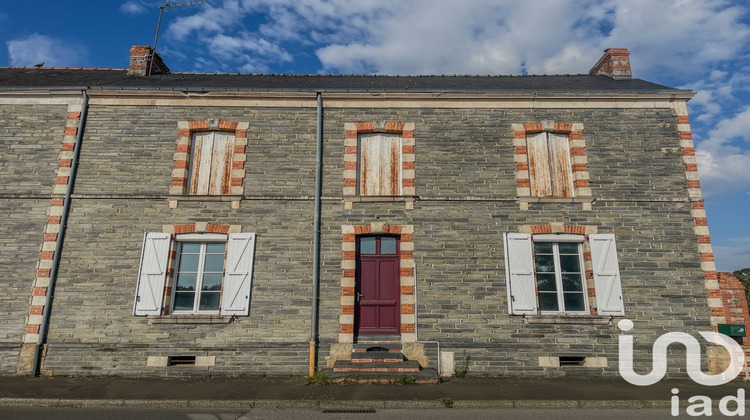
[316, 238]
[46, 313]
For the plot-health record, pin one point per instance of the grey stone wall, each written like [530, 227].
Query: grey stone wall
[30, 138]
[465, 180]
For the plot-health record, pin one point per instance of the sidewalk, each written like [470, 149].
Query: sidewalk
[288, 392]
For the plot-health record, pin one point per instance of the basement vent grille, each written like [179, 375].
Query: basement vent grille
[572, 360]
[181, 361]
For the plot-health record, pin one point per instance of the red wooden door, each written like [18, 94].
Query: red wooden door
[378, 292]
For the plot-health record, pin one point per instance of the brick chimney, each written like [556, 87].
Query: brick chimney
[615, 63]
[140, 57]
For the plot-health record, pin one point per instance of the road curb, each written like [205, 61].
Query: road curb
[446, 403]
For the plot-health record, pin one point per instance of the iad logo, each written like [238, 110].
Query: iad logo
[693, 357]
[701, 404]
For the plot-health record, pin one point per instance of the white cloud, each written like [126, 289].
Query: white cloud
[723, 158]
[38, 48]
[133, 7]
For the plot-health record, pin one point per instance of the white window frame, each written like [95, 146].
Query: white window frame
[558, 275]
[208, 182]
[399, 164]
[203, 240]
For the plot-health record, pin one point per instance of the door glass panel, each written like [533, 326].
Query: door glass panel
[387, 245]
[367, 245]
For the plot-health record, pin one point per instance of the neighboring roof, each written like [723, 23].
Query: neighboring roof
[22, 78]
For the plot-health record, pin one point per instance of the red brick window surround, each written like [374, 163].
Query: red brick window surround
[348, 279]
[185, 165]
[579, 175]
[402, 164]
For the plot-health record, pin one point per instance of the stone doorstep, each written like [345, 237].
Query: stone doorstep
[363, 347]
[400, 366]
[377, 356]
[378, 339]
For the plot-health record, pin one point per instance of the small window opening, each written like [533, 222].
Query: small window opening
[181, 361]
[572, 360]
[377, 349]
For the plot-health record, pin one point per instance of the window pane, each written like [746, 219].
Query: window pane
[546, 282]
[570, 264]
[544, 263]
[188, 248]
[209, 301]
[548, 301]
[185, 281]
[573, 301]
[217, 248]
[188, 262]
[568, 248]
[572, 282]
[214, 263]
[211, 282]
[183, 301]
[387, 245]
[542, 248]
[367, 245]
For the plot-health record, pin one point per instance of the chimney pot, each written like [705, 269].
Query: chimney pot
[140, 59]
[615, 63]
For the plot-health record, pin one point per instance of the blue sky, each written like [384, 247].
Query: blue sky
[702, 45]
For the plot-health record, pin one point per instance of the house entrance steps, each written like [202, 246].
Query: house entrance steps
[380, 358]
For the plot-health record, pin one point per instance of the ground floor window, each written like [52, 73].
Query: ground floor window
[559, 278]
[200, 269]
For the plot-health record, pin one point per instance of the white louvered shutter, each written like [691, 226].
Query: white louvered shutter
[152, 274]
[519, 265]
[238, 279]
[606, 274]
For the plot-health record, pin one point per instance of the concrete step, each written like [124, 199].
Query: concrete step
[395, 338]
[363, 347]
[380, 367]
[377, 356]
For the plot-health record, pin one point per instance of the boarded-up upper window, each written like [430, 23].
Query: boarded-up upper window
[379, 164]
[549, 165]
[211, 163]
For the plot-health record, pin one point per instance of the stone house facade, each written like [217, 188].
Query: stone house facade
[166, 224]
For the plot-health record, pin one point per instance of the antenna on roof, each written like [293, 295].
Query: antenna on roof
[162, 8]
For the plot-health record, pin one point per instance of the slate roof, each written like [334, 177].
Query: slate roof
[21, 78]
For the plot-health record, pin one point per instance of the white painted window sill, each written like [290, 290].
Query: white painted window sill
[189, 319]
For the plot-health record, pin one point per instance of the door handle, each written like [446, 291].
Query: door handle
[358, 296]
